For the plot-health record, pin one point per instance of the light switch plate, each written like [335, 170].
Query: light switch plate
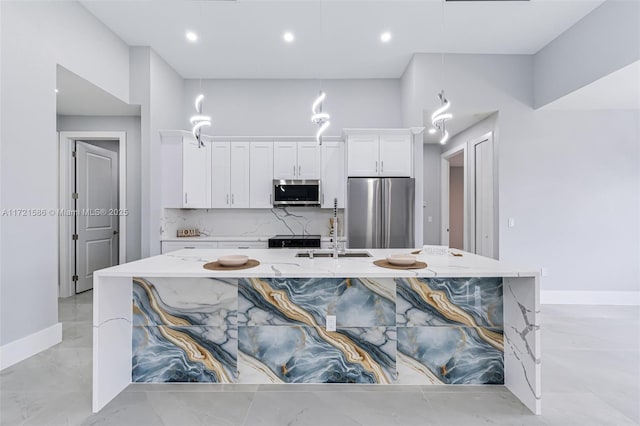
[331, 323]
[512, 222]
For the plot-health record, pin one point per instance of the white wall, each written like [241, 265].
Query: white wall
[36, 37]
[160, 92]
[131, 126]
[283, 107]
[569, 178]
[456, 207]
[604, 41]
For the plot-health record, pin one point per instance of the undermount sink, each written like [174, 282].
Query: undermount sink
[325, 253]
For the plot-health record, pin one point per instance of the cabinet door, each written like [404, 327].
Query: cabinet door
[196, 176]
[362, 155]
[240, 175]
[309, 155]
[261, 176]
[396, 155]
[285, 160]
[220, 174]
[333, 181]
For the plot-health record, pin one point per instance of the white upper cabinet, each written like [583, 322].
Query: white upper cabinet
[362, 155]
[220, 174]
[285, 160]
[186, 174]
[296, 160]
[333, 182]
[240, 170]
[308, 160]
[395, 155]
[261, 175]
[230, 174]
[385, 154]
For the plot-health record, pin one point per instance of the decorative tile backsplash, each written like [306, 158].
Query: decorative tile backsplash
[250, 222]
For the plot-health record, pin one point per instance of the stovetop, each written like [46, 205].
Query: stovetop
[294, 241]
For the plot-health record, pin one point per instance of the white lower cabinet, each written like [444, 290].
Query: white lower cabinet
[243, 244]
[169, 246]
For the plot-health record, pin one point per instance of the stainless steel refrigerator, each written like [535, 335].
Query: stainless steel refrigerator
[380, 212]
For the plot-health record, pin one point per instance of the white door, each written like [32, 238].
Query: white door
[396, 157]
[261, 175]
[240, 175]
[483, 198]
[362, 156]
[333, 183]
[195, 174]
[96, 180]
[220, 175]
[309, 156]
[285, 161]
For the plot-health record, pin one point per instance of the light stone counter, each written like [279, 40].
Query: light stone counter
[463, 320]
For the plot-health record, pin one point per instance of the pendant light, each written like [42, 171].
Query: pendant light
[199, 121]
[440, 116]
[322, 119]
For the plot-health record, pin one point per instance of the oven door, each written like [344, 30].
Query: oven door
[296, 193]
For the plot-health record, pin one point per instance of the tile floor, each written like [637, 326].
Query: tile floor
[591, 376]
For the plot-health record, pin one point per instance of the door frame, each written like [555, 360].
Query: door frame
[65, 202]
[444, 195]
[487, 137]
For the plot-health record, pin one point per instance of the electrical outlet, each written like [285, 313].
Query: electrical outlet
[544, 271]
[430, 219]
[331, 323]
[512, 222]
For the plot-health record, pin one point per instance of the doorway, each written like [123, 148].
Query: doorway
[467, 197]
[93, 206]
[454, 198]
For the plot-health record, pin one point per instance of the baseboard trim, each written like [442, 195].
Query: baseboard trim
[620, 298]
[21, 349]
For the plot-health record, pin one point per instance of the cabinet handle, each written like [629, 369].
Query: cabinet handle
[299, 170]
[227, 199]
[381, 166]
[271, 199]
[322, 201]
[376, 166]
[233, 199]
[243, 247]
[185, 198]
[294, 170]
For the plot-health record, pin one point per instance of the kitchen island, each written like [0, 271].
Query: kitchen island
[463, 320]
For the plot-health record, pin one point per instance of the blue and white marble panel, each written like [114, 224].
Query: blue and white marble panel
[470, 302]
[447, 355]
[300, 354]
[184, 354]
[355, 302]
[184, 302]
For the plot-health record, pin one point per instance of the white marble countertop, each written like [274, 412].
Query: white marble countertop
[283, 263]
[205, 238]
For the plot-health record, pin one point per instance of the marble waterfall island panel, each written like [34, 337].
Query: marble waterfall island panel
[184, 354]
[184, 302]
[469, 302]
[356, 302]
[447, 355]
[300, 354]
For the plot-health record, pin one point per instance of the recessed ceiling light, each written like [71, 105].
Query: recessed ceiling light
[288, 37]
[385, 37]
[56, 90]
[191, 36]
[432, 131]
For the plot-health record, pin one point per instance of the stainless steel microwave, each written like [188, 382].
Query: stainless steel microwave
[296, 193]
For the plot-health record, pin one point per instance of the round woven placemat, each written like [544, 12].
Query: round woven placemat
[384, 263]
[216, 266]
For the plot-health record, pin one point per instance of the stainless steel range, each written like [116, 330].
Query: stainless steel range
[294, 241]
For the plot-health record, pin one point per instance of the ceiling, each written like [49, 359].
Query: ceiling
[334, 38]
[76, 96]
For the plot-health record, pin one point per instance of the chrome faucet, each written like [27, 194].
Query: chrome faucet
[334, 230]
